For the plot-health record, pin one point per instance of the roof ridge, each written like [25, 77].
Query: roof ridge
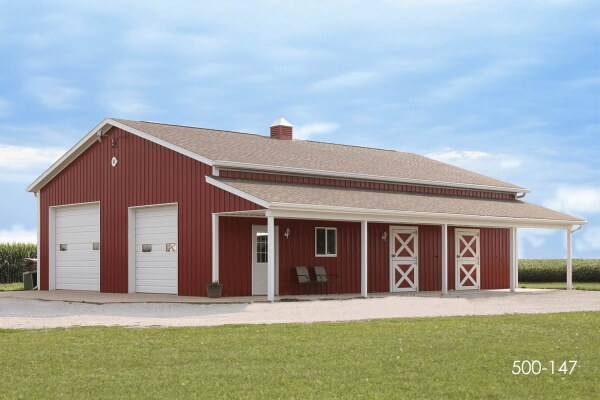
[268, 137]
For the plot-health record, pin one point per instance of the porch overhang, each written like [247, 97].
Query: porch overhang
[283, 200]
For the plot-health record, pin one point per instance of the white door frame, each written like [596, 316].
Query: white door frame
[52, 241]
[131, 243]
[414, 260]
[255, 230]
[470, 260]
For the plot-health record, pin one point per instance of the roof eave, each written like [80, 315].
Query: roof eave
[346, 175]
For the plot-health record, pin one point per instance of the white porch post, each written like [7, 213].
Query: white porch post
[512, 257]
[39, 233]
[516, 258]
[569, 260]
[215, 247]
[363, 258]
[271, 259]
[444, 259]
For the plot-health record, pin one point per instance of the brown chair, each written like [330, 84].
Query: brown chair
[322, 278]
[303, 278]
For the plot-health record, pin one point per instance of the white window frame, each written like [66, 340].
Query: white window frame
[327, 228]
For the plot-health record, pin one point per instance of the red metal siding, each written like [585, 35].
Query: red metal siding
[299, 249]
[146, 174]
[235, 267]
[311, 180]
[494, 258]
[430, 263]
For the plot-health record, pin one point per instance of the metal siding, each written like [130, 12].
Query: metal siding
[364, 184]
[146, 174]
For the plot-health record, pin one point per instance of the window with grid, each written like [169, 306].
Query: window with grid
[326, 242]
[262, 247]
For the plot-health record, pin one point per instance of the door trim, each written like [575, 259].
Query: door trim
[131, 243]
[458, 259]
[391, 268]
[52, 241]
[261, 228]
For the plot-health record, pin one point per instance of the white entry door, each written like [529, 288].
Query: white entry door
[260, 254]
[77, 247]
[467, 259]
[156, 249]
[404, 265]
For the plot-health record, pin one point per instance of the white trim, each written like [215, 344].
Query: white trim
[162, 142]
[39, 237]
[131, 249]
[215, 247]
[415, 260]
[94, 135]
[52, 248]
[271, 259]
[516, 258]
[287, 210]
[569, 259]
[364, 260]
[476, 259]
[334, 174]
[264, 228]
[52, 241]
[131, 261]
[444, 259]
[512, 250]
[327, 228]
[68, 157]
[237, 192]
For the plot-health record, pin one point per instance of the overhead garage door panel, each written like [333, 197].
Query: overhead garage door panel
[156, 268]
[77, 264]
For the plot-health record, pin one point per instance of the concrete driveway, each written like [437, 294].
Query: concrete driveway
[30, 313]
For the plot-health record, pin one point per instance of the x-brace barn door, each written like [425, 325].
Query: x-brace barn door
[404, 265]
[467, 259]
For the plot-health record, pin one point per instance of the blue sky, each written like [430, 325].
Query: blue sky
[509, 89]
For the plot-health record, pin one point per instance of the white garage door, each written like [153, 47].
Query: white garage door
[156, 250]
[77, 247]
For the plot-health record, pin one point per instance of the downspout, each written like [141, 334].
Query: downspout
[520, 195]
[577, 229]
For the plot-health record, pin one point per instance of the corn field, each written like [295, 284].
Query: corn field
[11, 260]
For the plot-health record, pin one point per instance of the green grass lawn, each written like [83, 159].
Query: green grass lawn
[457, 357]
[560, 285]
[8, 287]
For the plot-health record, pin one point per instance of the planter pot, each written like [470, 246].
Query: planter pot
[214, 290]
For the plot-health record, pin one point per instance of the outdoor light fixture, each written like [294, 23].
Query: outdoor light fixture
[384, 236]
[287, 233]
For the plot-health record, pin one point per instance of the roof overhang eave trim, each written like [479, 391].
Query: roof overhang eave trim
[376, 215]
[91, 137]
[346, 175]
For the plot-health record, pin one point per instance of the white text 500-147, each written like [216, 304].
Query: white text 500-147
[536, 367]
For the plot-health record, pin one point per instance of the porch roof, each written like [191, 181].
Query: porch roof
[286, 196]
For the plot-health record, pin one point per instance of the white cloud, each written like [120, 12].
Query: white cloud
[535, 238]
[127, 103]
[18, 234]
[318, 128]
[478, 160]
[456, 155]
[575, 199]
[53, 93]
[350, 79]
[462, 85]
[589, 239]
[19, 158]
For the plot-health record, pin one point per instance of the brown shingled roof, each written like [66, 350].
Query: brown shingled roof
[294, 194]
[256, 149]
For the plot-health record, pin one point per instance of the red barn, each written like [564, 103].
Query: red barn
[156, 208]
